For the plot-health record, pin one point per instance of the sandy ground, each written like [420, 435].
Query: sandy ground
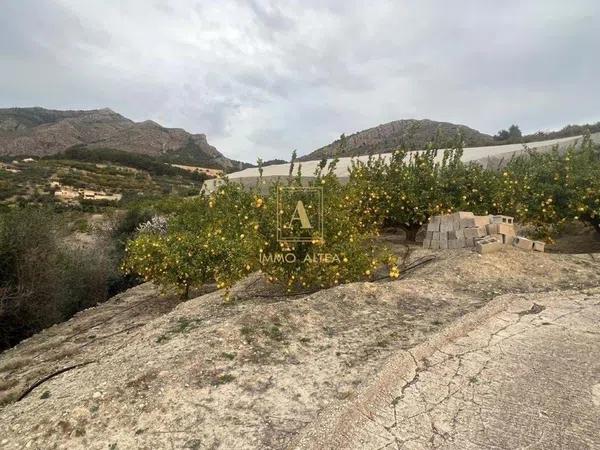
[525, 373]
[249, 374]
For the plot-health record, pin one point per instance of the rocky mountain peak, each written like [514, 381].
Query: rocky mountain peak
[40, 132]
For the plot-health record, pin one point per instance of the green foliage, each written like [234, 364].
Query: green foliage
[584, 179]
[143, 178]
[129, 159]
[408, 188]
[42, 280]
[346, 253]
[232, 232]
[513, 134]
[209, 239]
[544, 190]
[547, 190]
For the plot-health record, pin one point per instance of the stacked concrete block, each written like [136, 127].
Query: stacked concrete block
[502, 219]
[454, 231]
[464, 229]
[488, 244]
[528, 244]
[434, 224]
[502, 229]
[523, 243]
[474, 232]
[486, 233]
[508, 239]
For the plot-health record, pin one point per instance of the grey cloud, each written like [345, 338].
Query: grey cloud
[270, 15]
[262, 77]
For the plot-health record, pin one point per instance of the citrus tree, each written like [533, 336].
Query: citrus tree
[209, 239]
[407, 188]
[345, 252]
[547, 190]
[232, 232]
[584, 179]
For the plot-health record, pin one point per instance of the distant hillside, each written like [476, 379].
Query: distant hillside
[410, 133]
[416, 134]
[567, 131]
[42, 132]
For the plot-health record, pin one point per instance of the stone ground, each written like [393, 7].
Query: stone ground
[253, 373]
[527, 376]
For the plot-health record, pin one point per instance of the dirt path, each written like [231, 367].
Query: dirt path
[251, 374]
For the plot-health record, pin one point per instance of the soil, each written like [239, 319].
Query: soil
[576, 238]
[251, 373]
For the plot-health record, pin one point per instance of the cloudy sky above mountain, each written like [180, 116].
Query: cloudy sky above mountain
[263, 77]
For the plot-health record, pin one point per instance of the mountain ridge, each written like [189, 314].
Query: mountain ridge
[412, 133]
[41, 132]
[416, 134]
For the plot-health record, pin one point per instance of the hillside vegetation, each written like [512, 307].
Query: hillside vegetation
[411, 134]
[415, 134]
[134, 177]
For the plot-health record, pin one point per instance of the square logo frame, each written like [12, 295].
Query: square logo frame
[320, 236]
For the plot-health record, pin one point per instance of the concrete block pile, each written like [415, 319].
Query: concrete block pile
[486, 234]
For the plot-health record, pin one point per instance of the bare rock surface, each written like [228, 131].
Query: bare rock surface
[253, 373]
[526, 376]
[41, 132]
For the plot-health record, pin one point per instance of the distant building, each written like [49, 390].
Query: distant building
[88, 195]
[108, 197]
[9, 168]
[66, 193]
[69, 194]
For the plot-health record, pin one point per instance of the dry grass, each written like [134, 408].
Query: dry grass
[14, 363]
[40, 348]
[63, 353]
[11, 395]
[7, 384]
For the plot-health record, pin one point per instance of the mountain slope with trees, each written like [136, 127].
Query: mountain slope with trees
[413, 134]
[42, 132]
[410, 133]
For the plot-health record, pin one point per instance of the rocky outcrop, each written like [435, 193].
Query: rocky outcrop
[42, 132]
[414, 134]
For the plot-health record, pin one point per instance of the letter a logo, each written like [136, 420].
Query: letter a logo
[300, 214]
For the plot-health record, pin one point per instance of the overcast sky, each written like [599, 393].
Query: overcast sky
[261, 78]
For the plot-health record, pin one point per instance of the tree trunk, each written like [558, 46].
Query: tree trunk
[185, 294]
[593, 221]
[411, 231]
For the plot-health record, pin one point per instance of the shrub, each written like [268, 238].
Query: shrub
[42, 280]
[546, 190]
[224, 236]
[346, 253]
[584, 182]
[209, 239]
[406, 190]
[543, 190]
